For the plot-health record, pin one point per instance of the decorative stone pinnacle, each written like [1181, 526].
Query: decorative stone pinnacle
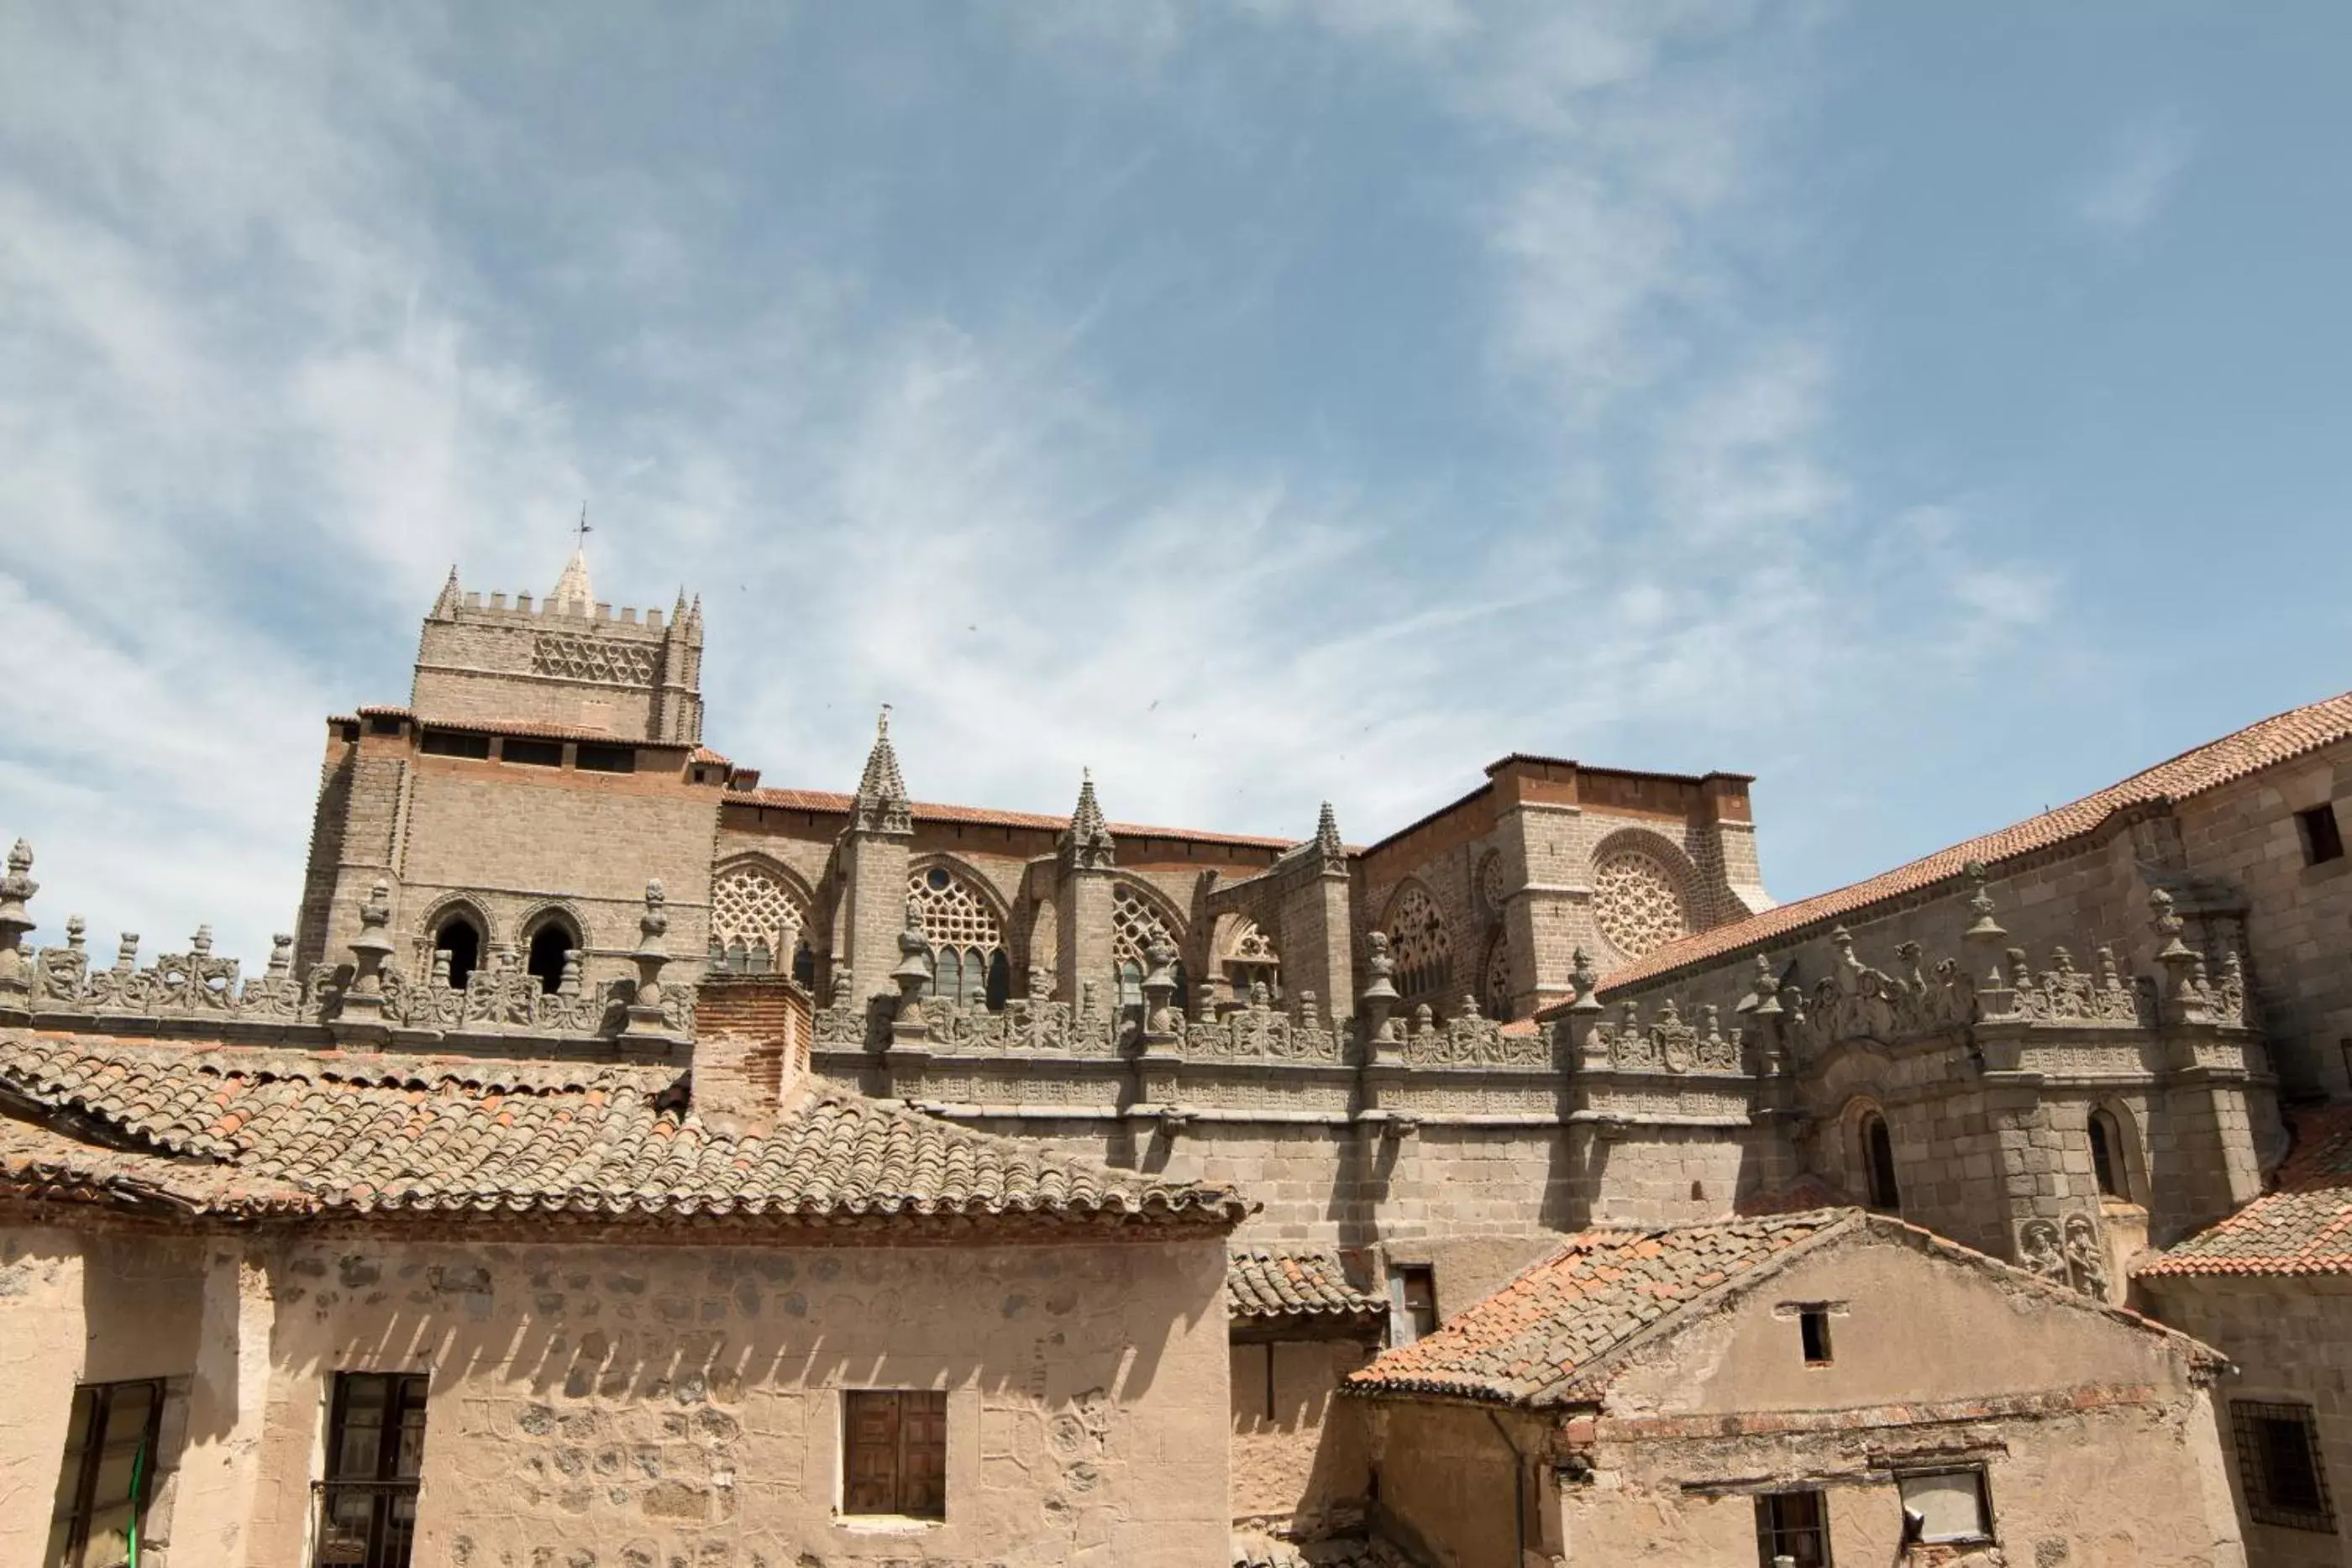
[1768, 989]
[1984, 927]
[1086, 844]
[881, 804]
[1328, 841]
[1584, 981]
[376, 913]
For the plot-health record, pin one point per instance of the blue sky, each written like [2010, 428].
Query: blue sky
[1939, 412]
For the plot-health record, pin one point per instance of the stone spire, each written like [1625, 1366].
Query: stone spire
[1086, 844]
[572, 594]
[446, 607]
[881, 804]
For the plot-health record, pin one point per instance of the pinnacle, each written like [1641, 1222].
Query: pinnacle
[574, 595]
[882, 780]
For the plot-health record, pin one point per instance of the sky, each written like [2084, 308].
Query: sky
[1938, 413]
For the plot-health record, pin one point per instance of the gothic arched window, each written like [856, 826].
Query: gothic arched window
[1423, 947]
[1878, 1163]
[2108, 1153]
[552, 941]
[756, 920]
[966, 937]
[460, 936]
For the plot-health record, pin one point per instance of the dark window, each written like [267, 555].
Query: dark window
[1182, 1000]
[895, 1453]
[551, 945]
[462, 940]
[454, 743]
[606, 758]
[1415, 1294]
[532, 753]
[1945, 1506]
[937, 879]
[1794, 1525]
[108, 1475]
[380, 725]
[2278, 1461]
[1878, 1156]
[2106, 1153]
[2322, 839]
[1813, 1331]
[1000, 981]
[350, 731]
[805, 965]
[375, 1452]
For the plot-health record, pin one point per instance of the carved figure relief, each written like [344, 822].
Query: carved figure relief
[1637, 903]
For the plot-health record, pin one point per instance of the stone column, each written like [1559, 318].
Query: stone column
[873, 853]
[1081, 915]
[1316, 937]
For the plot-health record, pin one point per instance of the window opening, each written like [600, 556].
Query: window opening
[967, 941]
[1423, 947]
[550, 945]
[2106, 1151]
[596, 758]
[1131, 984]
[1813, 1332]
[379, 725]
[1412, 1288]
[454, 743]
[1940, 1506]
[1878, 1156]
[805, 965]
[2278, 1461]
[1793, 1526]
[894, 1444]
[532, 753]
[462, 940]
[2322, 838]
[108, 1475]
[375, 1454]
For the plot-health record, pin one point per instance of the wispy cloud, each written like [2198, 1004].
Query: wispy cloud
[2134, 176]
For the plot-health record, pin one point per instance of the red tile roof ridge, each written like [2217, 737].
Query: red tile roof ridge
[529, 727]
[2266, 743]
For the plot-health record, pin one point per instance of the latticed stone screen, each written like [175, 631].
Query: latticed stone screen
[1136, 924]
[589, 658]
[755, 919]
[968, 962]
[1490, 883]
[1424, 947]
[1637, 903]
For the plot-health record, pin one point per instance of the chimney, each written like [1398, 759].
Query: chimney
[751, 1051]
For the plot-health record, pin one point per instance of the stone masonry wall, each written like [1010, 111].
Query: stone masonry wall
[626, 1406]
[2291, 1340]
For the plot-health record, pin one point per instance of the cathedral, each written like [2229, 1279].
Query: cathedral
[773, 1174]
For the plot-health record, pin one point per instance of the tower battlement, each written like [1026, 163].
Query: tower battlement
[565, 658]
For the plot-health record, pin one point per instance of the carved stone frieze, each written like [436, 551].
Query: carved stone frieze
[1669, 1045]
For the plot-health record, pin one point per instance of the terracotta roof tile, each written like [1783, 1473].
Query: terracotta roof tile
[531, 728]
[2279, 739]
[2303, 1228]
[1262, 1283]
[1527, 1342]
[827, 800]
[242, 1130]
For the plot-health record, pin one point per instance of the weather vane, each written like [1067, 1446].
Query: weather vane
[580, 532]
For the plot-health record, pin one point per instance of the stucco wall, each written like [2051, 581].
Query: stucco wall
[1298, 1452]
[627, 1404]
[2291, 1339]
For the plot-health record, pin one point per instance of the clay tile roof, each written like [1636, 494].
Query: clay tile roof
[980, 816]
[252, 1131]
[1260, 1283]
[2303, 1228]
[527, 727]
[2279, 739]
[1527, 1343]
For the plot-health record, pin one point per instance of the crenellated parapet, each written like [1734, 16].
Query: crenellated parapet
[365, 1001]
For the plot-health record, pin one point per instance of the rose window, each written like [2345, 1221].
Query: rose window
[1637, 903]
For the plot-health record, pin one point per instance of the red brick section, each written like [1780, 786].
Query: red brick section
[2303, 1228]
[2274, 740]
[766, 1007]
[248, 1132]
[1526, 1343]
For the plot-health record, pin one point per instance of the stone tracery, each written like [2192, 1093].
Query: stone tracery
[756, 918]
[967, 956]
[1637, 901]
[1425, 948]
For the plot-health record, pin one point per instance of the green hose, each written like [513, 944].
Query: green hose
[138, 1474]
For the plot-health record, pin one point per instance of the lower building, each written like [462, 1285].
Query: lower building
[2274, 1284]
[267, 1307]
[1825, 1386]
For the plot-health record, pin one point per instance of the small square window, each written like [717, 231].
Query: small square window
[595, 758]
[1940, 1506]
[1813, 1332]
[894, 1452]
[1795, 1526]
[2278, 1461]
[454, 743]
[2323, 839]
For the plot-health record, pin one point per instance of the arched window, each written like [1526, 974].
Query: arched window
[462, 939]
[1131, 983]
[1424, 948]
[756, 918]
[1000, 981]
[1137, 924]
[1878, 1163]
[550, 943]
[966, 937]
[2108, 1153]
[1251, 960]
[1637, 900]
